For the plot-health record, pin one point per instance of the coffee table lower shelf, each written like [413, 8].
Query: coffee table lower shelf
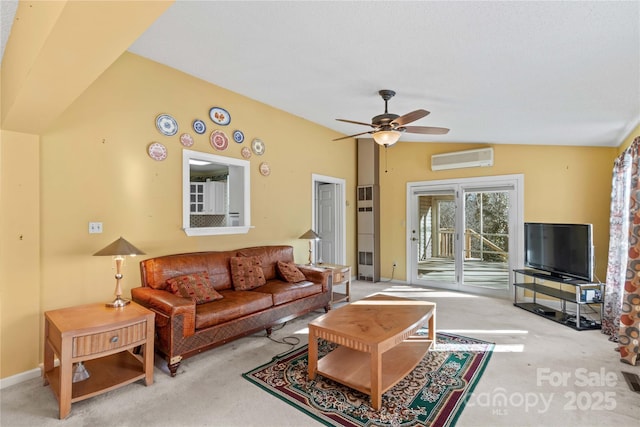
[353, 368]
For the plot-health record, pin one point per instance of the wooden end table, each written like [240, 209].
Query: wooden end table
[341, 275]
[377, 346]
[103, 338]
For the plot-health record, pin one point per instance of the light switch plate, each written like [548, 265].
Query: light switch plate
[95, 227]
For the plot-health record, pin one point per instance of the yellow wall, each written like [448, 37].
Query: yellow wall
[20, 305]
[95, 167]
[561, 184]
[58, 48]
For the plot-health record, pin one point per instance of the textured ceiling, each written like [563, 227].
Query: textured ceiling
[512, 72]
[7, 12]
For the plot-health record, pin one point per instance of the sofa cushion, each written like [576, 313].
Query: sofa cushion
[196, 286]
[269, 255]
[284, 292]
[289, 272]
[246, 273]
[235, 304]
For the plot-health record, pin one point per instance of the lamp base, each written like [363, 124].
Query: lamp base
[118, 302]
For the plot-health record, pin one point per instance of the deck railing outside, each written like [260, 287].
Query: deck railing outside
[476, 245]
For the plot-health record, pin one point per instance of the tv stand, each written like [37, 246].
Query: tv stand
[549, 276]
[563, 290]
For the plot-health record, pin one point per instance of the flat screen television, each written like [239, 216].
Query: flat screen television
[563, 250]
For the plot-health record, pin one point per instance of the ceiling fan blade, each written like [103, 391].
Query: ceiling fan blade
[351, 136]
[355, 123]
[410, 117]
[427, 130]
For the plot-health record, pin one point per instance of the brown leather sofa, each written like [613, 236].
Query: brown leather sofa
[184, 328]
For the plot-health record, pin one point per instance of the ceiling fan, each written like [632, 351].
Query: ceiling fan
[388, 127]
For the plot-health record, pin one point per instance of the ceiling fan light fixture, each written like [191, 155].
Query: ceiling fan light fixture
[388, 127]
[386, 137]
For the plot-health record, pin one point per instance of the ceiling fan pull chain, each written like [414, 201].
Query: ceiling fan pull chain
[385, 158]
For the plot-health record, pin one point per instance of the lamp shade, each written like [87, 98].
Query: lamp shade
[310, 235]
[386, 137]
[119, 247]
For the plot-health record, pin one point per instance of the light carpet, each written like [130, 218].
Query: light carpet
[433, 394]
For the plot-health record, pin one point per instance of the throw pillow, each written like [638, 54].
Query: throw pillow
[246, 273]
[290, 272]
[196, 286]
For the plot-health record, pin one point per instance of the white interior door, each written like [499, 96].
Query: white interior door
[328, 210]
[326, 220]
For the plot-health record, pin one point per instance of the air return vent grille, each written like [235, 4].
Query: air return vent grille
[462, 159]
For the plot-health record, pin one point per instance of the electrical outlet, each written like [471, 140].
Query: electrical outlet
[395, 264]
[95, 227]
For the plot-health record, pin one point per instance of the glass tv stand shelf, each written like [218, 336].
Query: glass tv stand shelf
[550, 300]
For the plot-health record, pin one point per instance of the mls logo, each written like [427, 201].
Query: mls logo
[499, 411]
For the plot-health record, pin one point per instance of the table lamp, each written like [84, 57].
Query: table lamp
[311, 236]
[118, 250]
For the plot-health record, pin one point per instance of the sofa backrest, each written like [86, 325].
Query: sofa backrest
[155, 272]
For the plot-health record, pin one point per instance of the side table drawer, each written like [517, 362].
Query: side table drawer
[340, 276]
[97, 343]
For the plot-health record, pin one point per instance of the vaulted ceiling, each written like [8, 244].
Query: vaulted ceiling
[565, 73]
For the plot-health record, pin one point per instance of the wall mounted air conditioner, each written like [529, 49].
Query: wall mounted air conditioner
[462, 159]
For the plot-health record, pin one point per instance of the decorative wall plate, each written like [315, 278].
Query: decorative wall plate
[219, 140]
[245, 152]
[166, 124]
[258, 147]
[199, 126]
[186, 140]
[265, 169]
[157, 151]
[238, 136]
[220, 116]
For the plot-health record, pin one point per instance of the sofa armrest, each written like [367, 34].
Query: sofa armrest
[316, 275]
[169, 305]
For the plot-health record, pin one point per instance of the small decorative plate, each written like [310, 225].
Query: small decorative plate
[238, 136]
[166, 124]
[220, 116]
[157, 151]
[219, 140]
[199, 126]
[246, 152]
[186, 140]
[258, 147]
[265, 170]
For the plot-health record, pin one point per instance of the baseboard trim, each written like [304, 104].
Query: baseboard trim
[19, 378]
[392, 281]
[26, 376]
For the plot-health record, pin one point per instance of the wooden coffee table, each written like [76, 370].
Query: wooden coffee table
[377, 346]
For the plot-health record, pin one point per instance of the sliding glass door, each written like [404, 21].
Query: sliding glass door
[463, 233]
[433, 237]
[486, 238]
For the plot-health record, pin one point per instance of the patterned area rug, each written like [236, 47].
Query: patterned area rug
[434, 394]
